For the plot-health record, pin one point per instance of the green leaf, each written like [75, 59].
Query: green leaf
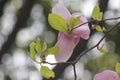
[44, 47]
[38, 46]
[103, 50]
[100, 15]
[46, 72]
[53, 50]
[32, 50]
[117, 68]
[98, 28]
[74, 21]
[96, 14]
[57, 22]
[104, 29]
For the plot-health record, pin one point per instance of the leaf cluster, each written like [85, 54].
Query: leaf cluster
[97, 15]
[41, 49]
[58, 23]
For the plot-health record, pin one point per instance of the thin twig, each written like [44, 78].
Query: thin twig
[35, 60]
[97, 43]
[92, 21]
[81, 25]
[57, 63]
[83, 53]
[111, 18]
[75, 74]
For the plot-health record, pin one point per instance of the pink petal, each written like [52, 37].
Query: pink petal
[107, 75]
[66, 46]
[62, 11]
[76, 38]
[82, 31]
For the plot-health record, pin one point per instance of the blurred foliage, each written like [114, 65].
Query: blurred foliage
[107, 61]
[115, 36]
[7, 77]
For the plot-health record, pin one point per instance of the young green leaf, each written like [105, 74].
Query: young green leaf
[100, 15]
[98, 28]
[74, 21]
[38, 46]
[46, 72]
[103, 50]
[44, 47]
[57, 22]
[104, 29]
[53, 50]
[117, 68]
[96, 14]
[32, 50]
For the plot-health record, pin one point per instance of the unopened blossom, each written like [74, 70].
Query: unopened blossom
[67, 42]
[107, 75]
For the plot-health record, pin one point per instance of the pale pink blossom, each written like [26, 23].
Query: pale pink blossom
[107, 75]
[67, 42]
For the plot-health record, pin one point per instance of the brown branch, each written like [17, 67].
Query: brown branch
[97, 43]
[111, 19]
[81, 25]
[75, 74]
[96, 22]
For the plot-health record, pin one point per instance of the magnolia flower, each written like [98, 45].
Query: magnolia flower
[67, 42]
[107, 75]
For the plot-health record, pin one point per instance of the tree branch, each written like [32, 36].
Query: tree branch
[97, 43]
[96, 22]
[75, 74]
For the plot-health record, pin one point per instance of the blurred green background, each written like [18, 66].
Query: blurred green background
[22, 21]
